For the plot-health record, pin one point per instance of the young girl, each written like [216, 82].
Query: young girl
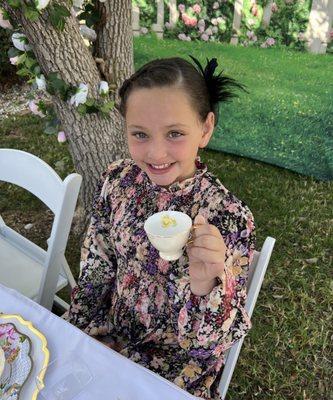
[176, 318]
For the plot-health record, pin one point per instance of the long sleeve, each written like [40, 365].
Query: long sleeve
[210, 324]
[90, 300]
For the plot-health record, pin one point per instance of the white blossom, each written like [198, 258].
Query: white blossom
[40, 4]
[14, 60]
[41, 82]
[62, 137]
[80, 96]
[103, 88]
[20, 41]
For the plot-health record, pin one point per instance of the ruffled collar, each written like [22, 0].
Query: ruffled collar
[177, 187]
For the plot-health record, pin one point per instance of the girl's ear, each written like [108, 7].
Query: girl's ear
[207, 129]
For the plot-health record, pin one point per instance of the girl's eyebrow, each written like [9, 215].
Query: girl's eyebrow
[167, 126]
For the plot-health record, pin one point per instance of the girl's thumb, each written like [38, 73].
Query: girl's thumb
[199, 220]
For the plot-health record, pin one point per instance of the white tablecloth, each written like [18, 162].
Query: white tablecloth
[114, 377]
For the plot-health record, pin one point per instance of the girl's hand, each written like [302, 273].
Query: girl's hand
[206, 252]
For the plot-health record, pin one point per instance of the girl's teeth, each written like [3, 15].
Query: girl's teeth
[160, 166]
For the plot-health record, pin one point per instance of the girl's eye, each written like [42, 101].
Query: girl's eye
[175, 134]
[142, 135]
[139, 135]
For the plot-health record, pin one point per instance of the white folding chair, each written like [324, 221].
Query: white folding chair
[257, 272]
[24, 266]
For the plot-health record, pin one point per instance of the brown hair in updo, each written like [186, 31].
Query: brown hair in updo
[205, 90]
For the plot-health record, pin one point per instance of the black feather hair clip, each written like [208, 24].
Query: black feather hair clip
[220, 87]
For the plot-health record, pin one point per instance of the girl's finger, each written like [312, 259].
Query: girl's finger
[208, 242]
[205, 229]
[206, 256]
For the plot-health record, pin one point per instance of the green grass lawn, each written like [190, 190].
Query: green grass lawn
[288, 353]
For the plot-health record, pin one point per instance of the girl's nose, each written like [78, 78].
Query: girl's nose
[157, 152]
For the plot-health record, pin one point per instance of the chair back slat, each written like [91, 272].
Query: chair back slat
[33, 174]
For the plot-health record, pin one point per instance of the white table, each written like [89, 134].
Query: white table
[114, 377]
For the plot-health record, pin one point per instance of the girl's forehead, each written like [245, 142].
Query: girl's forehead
[159, 100]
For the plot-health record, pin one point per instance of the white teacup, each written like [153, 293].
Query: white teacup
[170, 240]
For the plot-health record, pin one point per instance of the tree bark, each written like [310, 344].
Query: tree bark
[114, 43]
[94, 141]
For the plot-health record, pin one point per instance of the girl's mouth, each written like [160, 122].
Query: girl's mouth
[160, 169]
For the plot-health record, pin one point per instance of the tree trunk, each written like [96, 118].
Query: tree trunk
[114, 43]
[94, 141]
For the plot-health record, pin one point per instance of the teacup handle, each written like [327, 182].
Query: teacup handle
[191, 239]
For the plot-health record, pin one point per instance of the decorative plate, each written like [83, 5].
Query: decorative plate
[26, 358]
[18, 363]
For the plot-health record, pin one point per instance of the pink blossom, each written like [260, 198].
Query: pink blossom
[182, 36]
[270, 41]
[263, 45]
[216, 5]
[204, 37]
[167, 25]
[250, 34]
[188, 39]
[35, 109]
[274, 7]
[194, 21]
[209, 32]
[185, 18]
[61, 137]
[14, 60]
[201, 29]
[188, 21]
[197, 8]
[331, 34]
[181, 8]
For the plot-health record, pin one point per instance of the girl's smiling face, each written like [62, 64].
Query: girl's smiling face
[164, 133]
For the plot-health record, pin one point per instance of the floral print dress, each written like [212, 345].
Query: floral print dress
[127, 292]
